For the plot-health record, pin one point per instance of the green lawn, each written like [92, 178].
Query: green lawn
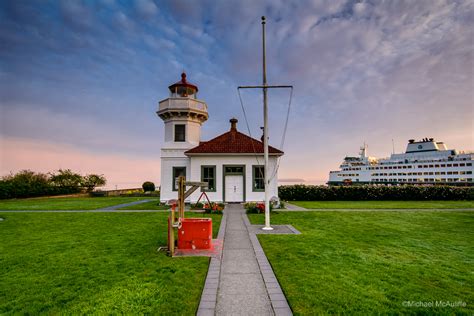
[383, 204]
[152, 205]
[94, 263]
[68, 203]
[371, 262]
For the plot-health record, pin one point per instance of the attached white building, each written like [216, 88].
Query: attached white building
[232, 163]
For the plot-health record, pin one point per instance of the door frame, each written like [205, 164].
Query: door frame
[224, 174]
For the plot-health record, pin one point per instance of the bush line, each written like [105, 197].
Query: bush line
[372, 192]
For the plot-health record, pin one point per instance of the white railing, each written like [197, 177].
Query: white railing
[182, 103]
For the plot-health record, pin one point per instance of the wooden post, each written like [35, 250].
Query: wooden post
[171, 220]
[181, 192]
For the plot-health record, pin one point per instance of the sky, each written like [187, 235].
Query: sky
[80, 81]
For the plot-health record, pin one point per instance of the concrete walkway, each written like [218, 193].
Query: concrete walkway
[292, 207]
[114, 207]
[245, 283]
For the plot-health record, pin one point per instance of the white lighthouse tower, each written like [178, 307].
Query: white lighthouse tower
[183, 115]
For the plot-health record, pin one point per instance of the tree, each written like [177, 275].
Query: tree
[23, 184]
[66, 179]
[91, 181]
[148, 186]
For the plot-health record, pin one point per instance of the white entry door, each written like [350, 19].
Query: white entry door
[234, 188]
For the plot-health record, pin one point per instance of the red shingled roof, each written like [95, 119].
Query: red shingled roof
[232, 142]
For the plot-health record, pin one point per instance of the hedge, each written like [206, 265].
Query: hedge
[373, 192]
[27, 183]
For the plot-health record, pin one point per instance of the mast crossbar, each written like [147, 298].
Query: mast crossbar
[262, 87]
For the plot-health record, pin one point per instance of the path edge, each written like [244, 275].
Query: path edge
[277, 298]
[208, 302]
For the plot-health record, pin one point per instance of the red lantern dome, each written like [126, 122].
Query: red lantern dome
[183, 88]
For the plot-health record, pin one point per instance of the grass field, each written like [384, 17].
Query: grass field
[68, 203]
[383, 204]
[373, 262]
[94, 263]
[152, 205]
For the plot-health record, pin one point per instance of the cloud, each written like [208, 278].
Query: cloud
[146, 9]
[362, 70]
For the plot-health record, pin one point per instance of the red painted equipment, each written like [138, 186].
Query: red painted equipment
[195, 233]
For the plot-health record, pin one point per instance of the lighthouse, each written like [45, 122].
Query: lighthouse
[183, 115]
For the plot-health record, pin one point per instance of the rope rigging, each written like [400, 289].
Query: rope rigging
[282, 142]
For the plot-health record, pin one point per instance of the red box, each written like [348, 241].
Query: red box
[195, 233]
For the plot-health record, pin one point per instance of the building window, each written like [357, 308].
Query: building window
[177, 172]
[258, 176]
[180, 133]
[208, 174]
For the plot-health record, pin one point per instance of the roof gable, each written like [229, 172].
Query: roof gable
[232, 142]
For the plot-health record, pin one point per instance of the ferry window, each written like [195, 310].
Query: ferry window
[420, 166]
[455, 164]
[443, 166]
[443, 172]
[450, 172]
[461, 165]
[450, 165]
[469, 164]
[436, 166]
[431, 166]
[468, 172]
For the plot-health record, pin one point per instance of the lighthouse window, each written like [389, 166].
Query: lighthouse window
[179, 133]
[258, 178]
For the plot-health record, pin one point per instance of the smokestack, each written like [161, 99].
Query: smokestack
[233, 124]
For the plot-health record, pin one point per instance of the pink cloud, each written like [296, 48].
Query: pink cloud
[43, 156]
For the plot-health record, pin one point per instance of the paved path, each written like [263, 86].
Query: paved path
[292, 207]
[114, 207]
[242, 282]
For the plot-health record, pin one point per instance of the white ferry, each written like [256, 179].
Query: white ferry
[424, 162]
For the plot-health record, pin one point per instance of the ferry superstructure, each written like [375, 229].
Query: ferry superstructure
[424, 162]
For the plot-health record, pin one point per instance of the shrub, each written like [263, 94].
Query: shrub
[256, 207]
[148, 186]
[27, 183]
[197, 206]
[373, 192]
[214, 208]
